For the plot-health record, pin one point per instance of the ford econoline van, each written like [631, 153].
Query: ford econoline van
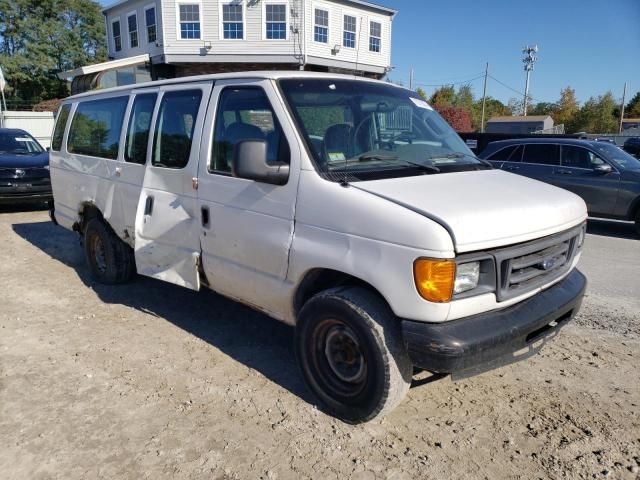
[343, 206]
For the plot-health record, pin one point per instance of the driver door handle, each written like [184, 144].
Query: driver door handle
[118, 171]
[563, 171]
[148, 206]
[511, 167]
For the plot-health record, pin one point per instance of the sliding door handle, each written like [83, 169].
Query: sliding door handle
[204, 214]
[148, 206]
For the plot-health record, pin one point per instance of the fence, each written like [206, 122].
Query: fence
[38, 124]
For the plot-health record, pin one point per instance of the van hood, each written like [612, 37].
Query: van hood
[484, 209]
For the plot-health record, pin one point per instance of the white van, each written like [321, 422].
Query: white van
[344, 206]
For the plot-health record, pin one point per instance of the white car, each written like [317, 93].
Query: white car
[344, 206]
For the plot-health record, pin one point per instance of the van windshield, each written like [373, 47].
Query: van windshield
[371, 130]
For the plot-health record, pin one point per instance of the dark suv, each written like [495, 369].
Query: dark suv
[632, 146]
[24, 168]
[605, 176]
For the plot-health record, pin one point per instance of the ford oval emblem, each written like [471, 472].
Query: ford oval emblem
[548, 264]
[20, 173]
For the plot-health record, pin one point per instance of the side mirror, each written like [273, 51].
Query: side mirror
[250, 162]
[48, 149]
[603, 169]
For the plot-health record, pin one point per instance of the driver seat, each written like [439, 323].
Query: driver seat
[338, 142]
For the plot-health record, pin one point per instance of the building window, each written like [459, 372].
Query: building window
[321, 26]
[132, 23]
[150, 19]
[375, 37]
[232, 23]
[349, 33]
[117, 38]
[276, 17]
[190, 21]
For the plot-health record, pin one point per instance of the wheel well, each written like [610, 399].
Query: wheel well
[320, 279]
[88, 211]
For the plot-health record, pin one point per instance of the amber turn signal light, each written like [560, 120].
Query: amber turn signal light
[435, 279]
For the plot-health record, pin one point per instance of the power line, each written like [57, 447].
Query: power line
[449, 83]
[512, 89]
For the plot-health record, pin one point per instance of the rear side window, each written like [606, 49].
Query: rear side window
[503, 154]
[578, 157]
[139, 126]
[245, 114]
[542, 154]
[174, 128]
[58, 132]
[96, 126]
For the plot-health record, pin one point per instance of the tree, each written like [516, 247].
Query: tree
[543, 108]
[567, 107]
[420, 91]
[597, 115]
[443, 96]
[40, 38]
[632, 109]
[457, 117]
[516, 106]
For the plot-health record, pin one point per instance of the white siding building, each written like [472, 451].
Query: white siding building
[170, 38]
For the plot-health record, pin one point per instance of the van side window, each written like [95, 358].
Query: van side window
[541, 153]
[95, 128]
[245, 114]
[58, 132]
[174, 128]
[139, 126]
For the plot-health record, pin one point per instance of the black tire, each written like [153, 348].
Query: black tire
[110, 260]
[350, 350]
[637, 220]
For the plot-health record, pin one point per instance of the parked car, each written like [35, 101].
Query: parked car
[344, 206]
[24, 168]
[605, 176]
[632, 146]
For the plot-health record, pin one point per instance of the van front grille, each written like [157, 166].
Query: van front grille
[525, 267]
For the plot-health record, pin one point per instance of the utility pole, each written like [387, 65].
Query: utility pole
[411, 80]
[624, 95]
[484, 97]
[529, 59]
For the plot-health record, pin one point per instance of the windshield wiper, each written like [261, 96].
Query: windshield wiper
[422, 166]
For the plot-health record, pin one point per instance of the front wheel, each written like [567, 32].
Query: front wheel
[349, 347]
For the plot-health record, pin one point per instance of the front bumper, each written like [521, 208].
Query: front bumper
[492, 338]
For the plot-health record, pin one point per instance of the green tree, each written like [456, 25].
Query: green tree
[420, 91]
[632, 109]
[464, 99]
[443, 96]
[597, 115]
[543, 108]
[40, 38]
[567, 107]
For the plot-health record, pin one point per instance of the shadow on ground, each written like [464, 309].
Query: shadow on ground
[612, 228]
[254, 339]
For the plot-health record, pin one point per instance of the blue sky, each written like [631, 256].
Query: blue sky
[591, 45]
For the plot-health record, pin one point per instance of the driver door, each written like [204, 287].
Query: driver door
[167, 240]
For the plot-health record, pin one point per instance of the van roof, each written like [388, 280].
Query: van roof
[267, 74]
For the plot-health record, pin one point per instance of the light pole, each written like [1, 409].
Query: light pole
[529, 59]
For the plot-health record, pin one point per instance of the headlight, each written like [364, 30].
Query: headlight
[467, 277]
[581, 236]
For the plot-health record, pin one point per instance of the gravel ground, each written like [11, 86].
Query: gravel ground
[150, 380]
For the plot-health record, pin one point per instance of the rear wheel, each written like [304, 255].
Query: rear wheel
[349, 347]
[110, 260]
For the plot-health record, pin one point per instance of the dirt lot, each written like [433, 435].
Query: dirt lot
[154, 381]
